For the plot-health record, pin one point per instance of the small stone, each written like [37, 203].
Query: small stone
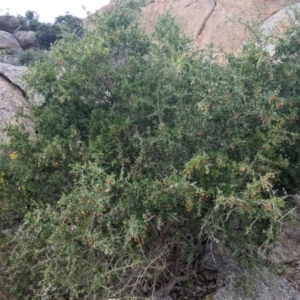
[198, 289]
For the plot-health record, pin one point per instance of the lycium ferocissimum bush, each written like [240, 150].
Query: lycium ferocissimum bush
[145, 148]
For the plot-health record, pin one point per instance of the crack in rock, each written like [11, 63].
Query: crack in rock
[15, 85]
[206, 19]
[191, 3]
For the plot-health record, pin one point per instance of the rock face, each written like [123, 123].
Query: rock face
[12, 41]
[210, 21]
[8, 41]
[286, 252]
[274, 25]
[263, 284]
[9, 23]
[273, 288]
[214, 260]
[10, 49]
[26, 39]
[12, 97]
[278, 18]
[13, 74]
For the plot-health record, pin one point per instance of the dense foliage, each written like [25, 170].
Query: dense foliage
[48, 33]
[145, 148]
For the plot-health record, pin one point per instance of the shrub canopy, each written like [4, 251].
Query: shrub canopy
[145, 148]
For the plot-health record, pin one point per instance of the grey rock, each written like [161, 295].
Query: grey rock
[214, 260]
[272, 289]
[12, 98]
[286, 251]
[26, 39]
[287, 248]
[8, 41]
[9, 23]
[272, 27]
[11, 56]
[263, 284]
[10, 50]
[13, 73]
[279, 17]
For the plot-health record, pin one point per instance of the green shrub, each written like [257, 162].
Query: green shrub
[31, 56]
[145, 148]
